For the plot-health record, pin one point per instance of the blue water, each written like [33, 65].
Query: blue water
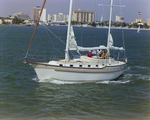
[23, 97]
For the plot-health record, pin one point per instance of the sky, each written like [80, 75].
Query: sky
[129, 12]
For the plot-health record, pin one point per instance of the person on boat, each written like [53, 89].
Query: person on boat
[94, 53]
[107, 54]
[90, 54]
[99, 53]
[103, 54]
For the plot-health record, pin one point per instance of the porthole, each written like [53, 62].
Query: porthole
[60, 64]
[71, 65]
[80, 65]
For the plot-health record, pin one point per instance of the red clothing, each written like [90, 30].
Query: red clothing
[89, 54]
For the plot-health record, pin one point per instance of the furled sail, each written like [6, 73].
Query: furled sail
[72, 41]
[91, 48]
[110, 41]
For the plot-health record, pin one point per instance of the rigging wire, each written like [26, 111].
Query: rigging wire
[103, 15]
[54, 35]
[96, 17]
[81, 33]
[58, 39]
[52, 42]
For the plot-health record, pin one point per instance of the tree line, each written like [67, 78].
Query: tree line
[115, 24]
[15, 20]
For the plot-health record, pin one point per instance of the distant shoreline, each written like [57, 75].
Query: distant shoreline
[12, 25]
[78, 26]
[130, 28]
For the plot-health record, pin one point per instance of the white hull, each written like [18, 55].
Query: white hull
[72, 74]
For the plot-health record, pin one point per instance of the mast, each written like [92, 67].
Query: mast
[36, 27]
[68, 33]
[111, 6]
[101, 18]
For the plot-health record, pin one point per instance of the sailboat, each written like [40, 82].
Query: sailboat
[83, 68]
[139, 27]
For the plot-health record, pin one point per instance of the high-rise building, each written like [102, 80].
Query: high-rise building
[54, 17]
[49, 18]
[21, 16]
[66, 18]
[119, 18]
[35, 13]
[58, 17]
[139, 20]
[148, 22]
[84, 16]
[1, 21]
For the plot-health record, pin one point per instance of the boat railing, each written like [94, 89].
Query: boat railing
[123, 59]
[36, 58]
[56, 58]
[42, 58]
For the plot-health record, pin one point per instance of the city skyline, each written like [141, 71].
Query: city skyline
[130, 12]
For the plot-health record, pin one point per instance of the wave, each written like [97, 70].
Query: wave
[117, 82]
[141, 67]
[35, 79]
[133, 68]
[135, 77]
[127, 78]
[54, 81]
[66, 82]
[63, 82]
[144, 77]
